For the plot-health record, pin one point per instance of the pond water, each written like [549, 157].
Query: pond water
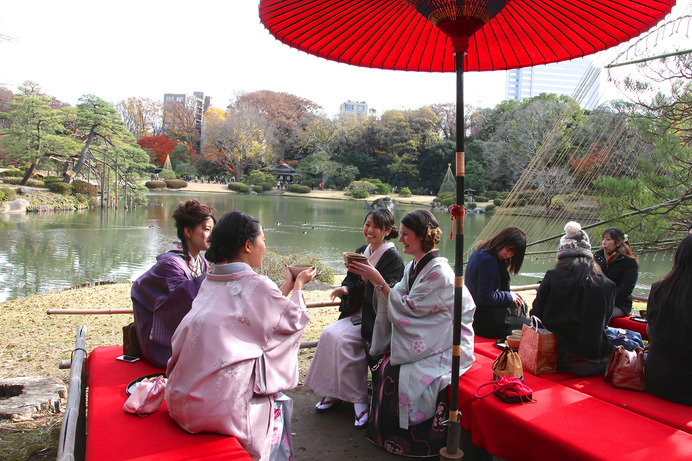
[52, 251]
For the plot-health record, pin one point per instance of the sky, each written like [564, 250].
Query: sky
[146, 48]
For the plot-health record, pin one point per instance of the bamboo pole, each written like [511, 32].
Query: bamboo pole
[128, 310]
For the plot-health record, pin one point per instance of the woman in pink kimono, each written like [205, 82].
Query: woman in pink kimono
[237, 348]
[414, 322]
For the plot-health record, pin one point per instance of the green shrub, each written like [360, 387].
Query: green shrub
[449, 201]
[2, 196]
[380, 187]
[360, 194]
[498, 202]
[167, 174]
[257, 189]
[361, 185]
[49, 179]
[8, 194]
[175, 183]
[235, 186]
[155, 184]
[558, 204]
[273, 266]
[258, 178]
[12, 173]
[490, 208]
[59, 187]
[405, 192]
[480, 198]
[472, 205]
[446, 195]
[503, 195]
[492, 194]
[298, 189]
[84, 188]
[266, 185]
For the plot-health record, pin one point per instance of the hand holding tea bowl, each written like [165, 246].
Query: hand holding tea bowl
[298, 275]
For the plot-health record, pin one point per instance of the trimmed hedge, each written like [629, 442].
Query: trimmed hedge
[361, 194]
[298, 189]
[405, 192]
[448, 201]
[492, 194]
[472, 205]
[175, 183]
[155, 185]
[239, 187]
[498, 202]
[59, 187]
[490, 208]
[258, 189]
[84, 188]
[480, 198]
[12, 173]
[266, 185]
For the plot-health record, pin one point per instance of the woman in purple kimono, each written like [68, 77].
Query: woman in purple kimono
[237, 348]
[163, 295]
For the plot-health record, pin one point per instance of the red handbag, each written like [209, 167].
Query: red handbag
[625, 369]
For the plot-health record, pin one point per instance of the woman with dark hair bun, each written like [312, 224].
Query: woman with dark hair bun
[339, 369]
[236, 351]
[414, 323]
[163, 295]
[669, 315]
[487, 278]
[617, 261]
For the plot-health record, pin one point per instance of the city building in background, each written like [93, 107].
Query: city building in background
[356, 109]
[577, 78]
[183, 117]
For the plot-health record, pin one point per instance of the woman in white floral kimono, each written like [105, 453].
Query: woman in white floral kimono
[414, 321]
[237, 348]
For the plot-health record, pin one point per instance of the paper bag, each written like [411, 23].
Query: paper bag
[538, 348]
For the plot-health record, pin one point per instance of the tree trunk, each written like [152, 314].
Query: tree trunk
[70, 174]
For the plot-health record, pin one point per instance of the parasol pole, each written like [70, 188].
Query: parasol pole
[452, 451]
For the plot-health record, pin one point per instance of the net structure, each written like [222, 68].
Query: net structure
[558, 183]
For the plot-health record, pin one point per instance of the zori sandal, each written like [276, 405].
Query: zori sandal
[362, 419]
[326, 404]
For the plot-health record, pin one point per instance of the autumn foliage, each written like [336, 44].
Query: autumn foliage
[594, 161]
[158, 147]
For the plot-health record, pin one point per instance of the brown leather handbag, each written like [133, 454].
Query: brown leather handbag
[625, 369]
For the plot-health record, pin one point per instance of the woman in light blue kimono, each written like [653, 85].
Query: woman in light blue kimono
[414, 322]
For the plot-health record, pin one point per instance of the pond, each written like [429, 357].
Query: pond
[52, 251]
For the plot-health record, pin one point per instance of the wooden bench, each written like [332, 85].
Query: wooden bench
[114, 434]
[573, 418]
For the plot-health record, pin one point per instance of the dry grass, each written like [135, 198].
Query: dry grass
[35, 342]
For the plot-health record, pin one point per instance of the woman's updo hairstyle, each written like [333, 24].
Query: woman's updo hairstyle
[424, 225]
[189, 215]
[384, 219]
[230, 234]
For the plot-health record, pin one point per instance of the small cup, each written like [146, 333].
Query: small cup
[513, 341]
[350, 257]
[298, 268]
[516, 332]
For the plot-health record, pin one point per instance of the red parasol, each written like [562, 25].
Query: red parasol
[457, 35]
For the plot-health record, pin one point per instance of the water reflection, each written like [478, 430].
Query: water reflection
[44, 252]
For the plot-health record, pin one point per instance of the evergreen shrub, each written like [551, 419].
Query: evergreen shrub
[492, 194]
[498, 202]
[503, 195]
[175, 183]
[12, 173]
[298, 189]
[258, 189]
[8, 194]
[155, 184]
[167, 174]
[480, 198]
[490, 208]
[266, 185]
[59, 187]
[405, 192]
[360, 194]
[380, 187]
[84, 188]
[472, 205]
[448, 201]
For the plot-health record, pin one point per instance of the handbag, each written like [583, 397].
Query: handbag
[508, 363]
[631, 340]
[625, 369]
[130, 341]
[538, 348]
[147, 396]
[507, 389]
[519, 311]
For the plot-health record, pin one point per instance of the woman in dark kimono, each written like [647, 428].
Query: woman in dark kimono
[339, 369]
[163, 295]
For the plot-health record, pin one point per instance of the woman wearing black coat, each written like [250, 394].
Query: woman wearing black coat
[617, 262]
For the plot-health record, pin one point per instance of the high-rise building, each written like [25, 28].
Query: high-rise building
[185, 113]
[577, 78]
